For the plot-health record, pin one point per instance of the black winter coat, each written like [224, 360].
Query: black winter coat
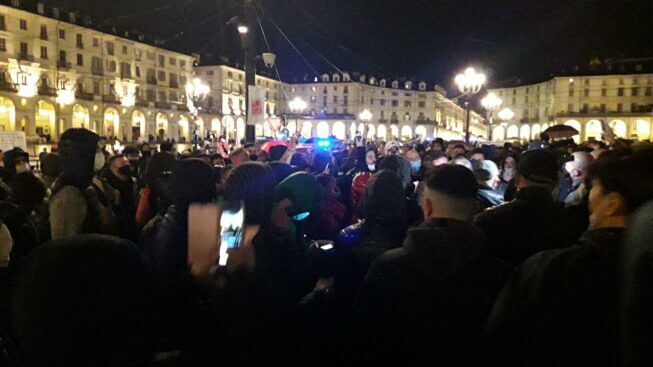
[561, 307]
[530, 223]
[424, 303]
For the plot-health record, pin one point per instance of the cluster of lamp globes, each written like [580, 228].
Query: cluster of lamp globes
[470, 82]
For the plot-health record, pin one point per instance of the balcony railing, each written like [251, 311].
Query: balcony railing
[110, 99]
[61, 64]
[162, 105]
[182, 107]
[25, 57]
[125, 75]
[151, 81]
[174, 84]
[46, 90]
[97, 71]
[80, 94]
[7, 86]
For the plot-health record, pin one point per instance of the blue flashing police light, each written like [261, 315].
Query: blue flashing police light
[323, 143]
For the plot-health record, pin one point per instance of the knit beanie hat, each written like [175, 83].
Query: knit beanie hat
[51, 165]
[452, 180]
[303, 190]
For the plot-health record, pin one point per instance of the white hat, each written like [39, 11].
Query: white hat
[392, 144]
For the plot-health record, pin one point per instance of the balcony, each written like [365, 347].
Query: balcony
[151, 80]
[43, 36]
[125, 75]
[424, 121]
[97, 71]
[182, 107]
[25, 57]
[110, 99]
[62, 64]
[7, 86]
[46, 90]
[174, 84]
[80, 94]
[80, 45]
[162, 105]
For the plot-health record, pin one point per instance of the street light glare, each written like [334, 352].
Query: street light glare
[297, 105]
[365, 115]
[506, 114]
[491, 101]
[242, 29]
[470, 82]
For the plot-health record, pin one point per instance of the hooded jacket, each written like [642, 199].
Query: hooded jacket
[561, 307]
[423, 303]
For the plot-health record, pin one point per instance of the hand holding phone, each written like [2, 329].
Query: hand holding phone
[232, 222]
[203, 237]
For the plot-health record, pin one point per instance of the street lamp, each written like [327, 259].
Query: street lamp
[365, 116]
[469, 83]
[506, 114]
[242, 29]
[297, 106]
[491, 102]
[196, 91]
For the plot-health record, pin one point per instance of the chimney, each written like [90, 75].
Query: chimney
[72, 17]
[40, 8]
[55, 12]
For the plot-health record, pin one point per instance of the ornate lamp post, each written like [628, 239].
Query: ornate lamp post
[196, 91]
[365, 116]
[469, 83]
[491, 102]
[506, 115]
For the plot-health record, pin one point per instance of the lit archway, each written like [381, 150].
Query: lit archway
[381, 132]
[406, 132]
[371, 131]
[80, 116]
[593, 130]
[353, 130]
[641, 130]
[216, 126]
[162, 126]
[183, 128]
[240, 130]
[498, 133]
[339, 130]
[576, 125]
[267, 128]
[45, 118]
[420, 133]
[111, 122]
[619, 128]
[7, 115]
[535, 131]
[258, 130]
[307, 129]
[138, 124]
[525, 132]
[322, 129]
[544, 127]
[292, 127]
[229, 127]
[512, 132]
[394, 131]
[199, 125]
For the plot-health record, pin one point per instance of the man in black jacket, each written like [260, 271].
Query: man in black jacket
[532, 222]
[561, 308]
[422, 304]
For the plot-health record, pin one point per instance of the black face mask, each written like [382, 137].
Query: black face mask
[125, 170]
[253, 157]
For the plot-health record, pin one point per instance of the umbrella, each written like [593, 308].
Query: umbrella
[561, 131]
[272, 143]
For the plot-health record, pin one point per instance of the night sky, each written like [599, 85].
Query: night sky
[429, 40]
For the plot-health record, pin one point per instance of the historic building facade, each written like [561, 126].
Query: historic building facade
[399, 110]
[57, 72]
[623, 100]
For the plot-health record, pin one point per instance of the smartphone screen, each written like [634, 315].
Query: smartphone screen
[231, 229]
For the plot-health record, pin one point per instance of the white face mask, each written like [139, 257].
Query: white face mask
[371, 167]
[99, 161]
[22, 168]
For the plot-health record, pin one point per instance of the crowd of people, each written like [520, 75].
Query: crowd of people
[436, 253]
